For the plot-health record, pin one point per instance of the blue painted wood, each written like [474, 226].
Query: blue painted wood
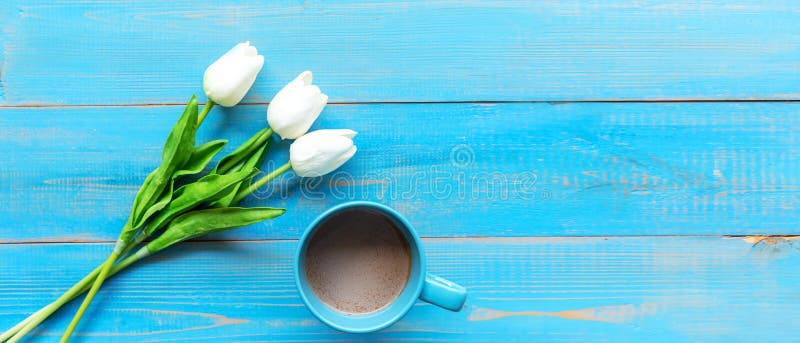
[508, 171]
[153, 51]
[663, 289]
[454, 169]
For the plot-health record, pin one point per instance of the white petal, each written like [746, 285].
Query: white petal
[306, 77]
[295, 108]
[321, 152]
[227, 80]
[243, 49]
[331, 132]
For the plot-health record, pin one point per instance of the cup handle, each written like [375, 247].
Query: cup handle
[443, 293]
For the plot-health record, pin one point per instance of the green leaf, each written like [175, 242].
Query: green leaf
[162, 202]
[254, 161]
[200, 158]
[200, 223]
[180, 143]
[177, 150]
[207, 189]
[229, 162]
[259, 160]
[148, 186]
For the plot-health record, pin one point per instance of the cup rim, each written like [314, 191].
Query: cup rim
[302, 243]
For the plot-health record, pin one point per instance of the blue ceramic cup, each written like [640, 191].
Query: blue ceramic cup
[421, 285]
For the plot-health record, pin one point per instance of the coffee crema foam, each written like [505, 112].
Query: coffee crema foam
[357, 261]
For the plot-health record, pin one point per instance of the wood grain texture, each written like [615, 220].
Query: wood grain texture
[70, 174]
[88, 91]
[153, 51]
[633, 289]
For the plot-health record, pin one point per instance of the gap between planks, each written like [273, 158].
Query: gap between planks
[754, 239]
[598, 101]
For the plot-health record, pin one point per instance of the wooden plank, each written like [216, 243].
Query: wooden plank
[154, 52]
[632, 289]
[70, 174]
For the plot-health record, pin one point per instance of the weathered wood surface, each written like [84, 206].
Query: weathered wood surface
[477, 160]
[70, 174]
[153, 51]
[666, 289]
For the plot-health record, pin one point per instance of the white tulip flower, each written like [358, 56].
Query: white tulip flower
[292, 111]
[228, 79]
[320, 152]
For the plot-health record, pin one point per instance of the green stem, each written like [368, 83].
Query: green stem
[267, 135]
[24, 327]
[238, 158]
[12, 331]
[93, 291]
[204, 112]
[262, 181]
[34, 319]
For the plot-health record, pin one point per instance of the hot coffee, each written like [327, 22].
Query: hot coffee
[358, 261]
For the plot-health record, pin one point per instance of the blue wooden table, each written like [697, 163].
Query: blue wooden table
[590, 170]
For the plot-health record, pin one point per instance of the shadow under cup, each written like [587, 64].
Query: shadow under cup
[372, 321]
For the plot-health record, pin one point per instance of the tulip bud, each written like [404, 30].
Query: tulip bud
[228, 79]
[292, 111]
[320, 152]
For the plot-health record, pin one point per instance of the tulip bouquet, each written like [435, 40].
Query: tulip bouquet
[170, 208]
